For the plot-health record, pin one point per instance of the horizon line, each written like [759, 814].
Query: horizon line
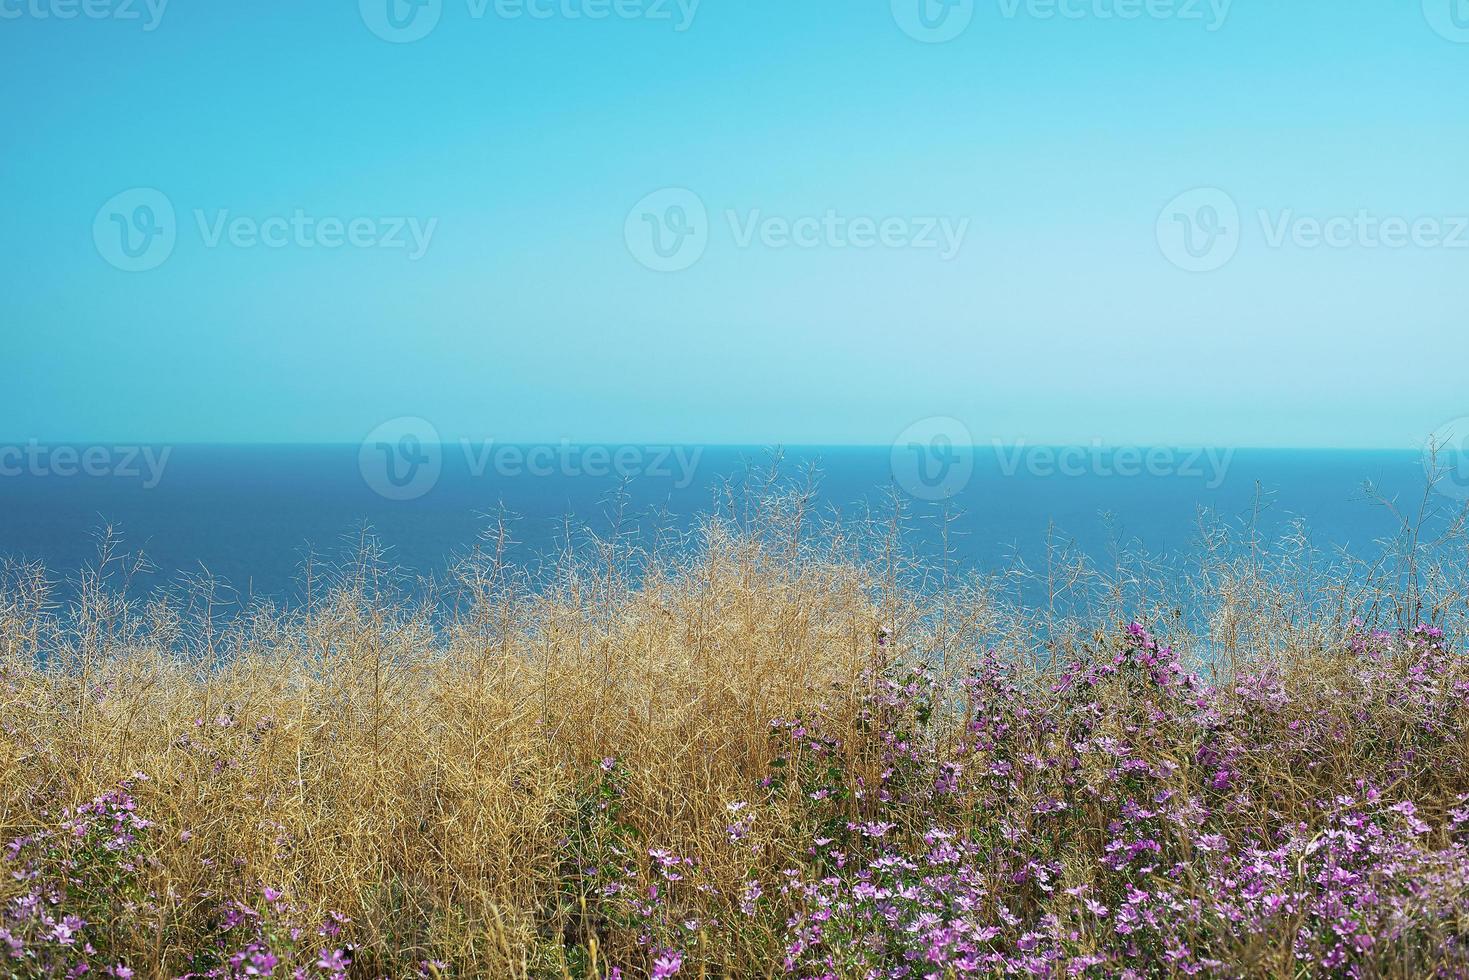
[775, 446]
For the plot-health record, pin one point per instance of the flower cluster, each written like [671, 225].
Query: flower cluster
[1120, 815]
[1116, 813]
[84, 889]
[265, 939]
[81, 885]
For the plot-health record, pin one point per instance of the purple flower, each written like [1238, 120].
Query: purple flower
[667, 965]
[335, 961]
[66, 930]
[261, 964]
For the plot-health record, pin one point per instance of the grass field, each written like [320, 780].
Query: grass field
[788, 750]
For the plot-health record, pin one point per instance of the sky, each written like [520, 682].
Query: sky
[1185, 222]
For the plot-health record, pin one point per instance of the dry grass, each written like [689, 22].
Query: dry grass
[423, 773]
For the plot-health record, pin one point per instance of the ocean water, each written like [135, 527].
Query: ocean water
[248, 514]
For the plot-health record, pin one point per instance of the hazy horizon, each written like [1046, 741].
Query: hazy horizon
[761, 446]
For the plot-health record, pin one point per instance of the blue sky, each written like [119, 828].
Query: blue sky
[827, 149]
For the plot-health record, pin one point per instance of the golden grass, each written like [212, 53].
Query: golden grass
[422, 774]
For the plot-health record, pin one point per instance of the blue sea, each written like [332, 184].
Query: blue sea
[249, 514]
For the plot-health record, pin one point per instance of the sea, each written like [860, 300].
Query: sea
[250, 515]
